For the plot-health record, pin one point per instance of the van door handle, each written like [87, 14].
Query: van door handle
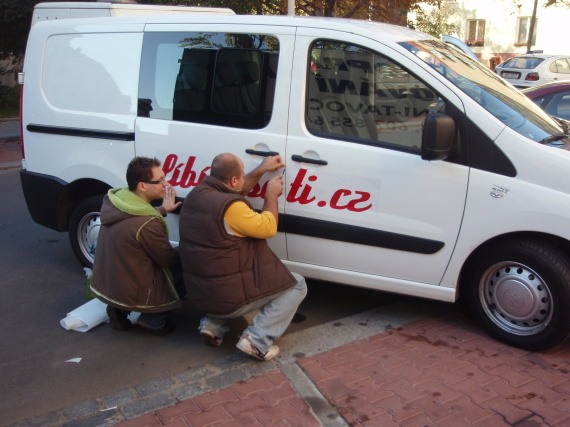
[297, 158]
[261, 153]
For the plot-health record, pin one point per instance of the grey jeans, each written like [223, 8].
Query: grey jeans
[274, 316]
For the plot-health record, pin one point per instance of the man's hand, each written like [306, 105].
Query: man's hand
[274, 187]
[169, 200]
[271, 164]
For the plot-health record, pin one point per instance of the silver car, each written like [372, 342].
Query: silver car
[532, 70]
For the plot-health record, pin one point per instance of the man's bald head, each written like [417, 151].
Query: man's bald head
[225, 166]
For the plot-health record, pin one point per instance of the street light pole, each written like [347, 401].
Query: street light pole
[291, 7]
[531, 28]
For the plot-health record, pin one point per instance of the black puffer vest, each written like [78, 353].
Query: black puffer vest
[223, 272]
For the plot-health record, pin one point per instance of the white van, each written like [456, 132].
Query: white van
[411, 168]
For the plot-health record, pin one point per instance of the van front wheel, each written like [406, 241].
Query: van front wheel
[520, 291]
[84, 226]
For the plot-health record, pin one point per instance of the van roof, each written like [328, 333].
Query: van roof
[376, 30]
[129, 9]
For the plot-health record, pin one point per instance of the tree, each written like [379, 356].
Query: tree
[15, 21]
[436, 21]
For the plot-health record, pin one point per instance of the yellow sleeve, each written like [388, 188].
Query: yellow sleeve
[245, 222]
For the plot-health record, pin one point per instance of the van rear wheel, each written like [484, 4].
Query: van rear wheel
[520, 291]
[84, 225]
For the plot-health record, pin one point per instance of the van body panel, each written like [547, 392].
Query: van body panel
[88, 83]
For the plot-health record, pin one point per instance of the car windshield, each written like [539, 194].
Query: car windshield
[489, 90]
[522, 63]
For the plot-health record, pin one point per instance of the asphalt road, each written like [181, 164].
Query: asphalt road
[41, 281]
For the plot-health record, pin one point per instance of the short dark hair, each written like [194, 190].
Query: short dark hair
[225, 166]
[140, 170]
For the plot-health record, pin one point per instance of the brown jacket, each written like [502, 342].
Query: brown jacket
[132, 259]
[223, 272]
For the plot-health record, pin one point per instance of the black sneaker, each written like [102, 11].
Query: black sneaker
[118, 318]
[165, 330]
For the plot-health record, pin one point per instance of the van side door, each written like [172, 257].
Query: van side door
[362, 207]
[208, 89]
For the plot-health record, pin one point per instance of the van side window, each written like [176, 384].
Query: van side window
[212, 78]
[359, 95]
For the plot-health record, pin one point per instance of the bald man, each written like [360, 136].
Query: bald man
[229, 269]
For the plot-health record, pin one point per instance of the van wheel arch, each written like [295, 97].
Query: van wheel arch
[518, 288]
[84, 205]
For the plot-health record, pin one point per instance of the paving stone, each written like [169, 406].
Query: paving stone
[479, 377]
[515, 378]
[236, 409]
[148, 388]
[399, 410]
[436, 411]
[474, 413]
[147, 420]
[226, 379]
[361, 407]
[405, 390]
[373, 391]
[214, 398]
[142, 407]
[217, 415]
[243, 389]
[189, 391]
[473, 390]
[279, 411]
[302, 420]
[100, 418]
[181, 409]
[194, 374]
[276, 394]
[82, 409]
[411, 374]
[437, 390]
[118, 398]
[548, 378]
[510, 412]
[336, 388]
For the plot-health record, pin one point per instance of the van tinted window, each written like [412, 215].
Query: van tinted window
[357, 94]
[212, 78]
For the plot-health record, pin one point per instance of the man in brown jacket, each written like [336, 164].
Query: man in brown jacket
[229, 270]
[132, 264]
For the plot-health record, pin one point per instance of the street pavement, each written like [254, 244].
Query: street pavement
[405, 364]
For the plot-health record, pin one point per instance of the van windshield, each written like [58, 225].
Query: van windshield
[488, 89]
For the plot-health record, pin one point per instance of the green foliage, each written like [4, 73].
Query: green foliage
[436, 21]
[9, 101]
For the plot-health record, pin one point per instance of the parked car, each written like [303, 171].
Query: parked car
[553, 97]
[533, 70]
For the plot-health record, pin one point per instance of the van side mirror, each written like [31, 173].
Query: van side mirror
[438, 136]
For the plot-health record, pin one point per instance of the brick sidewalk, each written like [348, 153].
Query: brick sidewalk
[441, 371]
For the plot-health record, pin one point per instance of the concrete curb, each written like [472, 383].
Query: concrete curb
[167, 391]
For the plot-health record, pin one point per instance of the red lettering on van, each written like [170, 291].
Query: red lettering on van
[188, 177]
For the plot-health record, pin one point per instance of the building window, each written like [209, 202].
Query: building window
[476, 32]
[523, 29]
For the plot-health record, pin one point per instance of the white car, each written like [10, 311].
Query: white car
[533, 70]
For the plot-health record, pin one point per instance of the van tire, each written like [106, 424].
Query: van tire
[84, 226]
[520, 291]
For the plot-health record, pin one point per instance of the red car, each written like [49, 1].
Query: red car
[553, 97]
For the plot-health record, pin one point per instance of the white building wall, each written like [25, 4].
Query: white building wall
[501, 26]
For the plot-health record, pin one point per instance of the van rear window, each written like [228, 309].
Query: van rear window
[212, 78]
